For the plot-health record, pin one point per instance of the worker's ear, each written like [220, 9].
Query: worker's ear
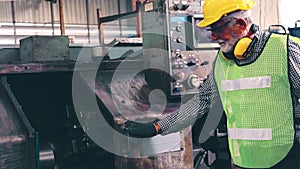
[241, 24]
[244, 45]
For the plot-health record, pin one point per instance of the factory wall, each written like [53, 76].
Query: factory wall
[33, 17]
[39, 11]
[266, 13]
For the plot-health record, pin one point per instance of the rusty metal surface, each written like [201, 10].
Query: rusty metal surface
[35, 67]
[138, 96]
[37, 55]
[63, 66]
[16, 136]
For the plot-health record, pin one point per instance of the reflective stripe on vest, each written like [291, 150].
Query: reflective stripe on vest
[246, 83]
[250, 134]
[258, 105]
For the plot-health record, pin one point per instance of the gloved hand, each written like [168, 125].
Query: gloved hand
[140, 130]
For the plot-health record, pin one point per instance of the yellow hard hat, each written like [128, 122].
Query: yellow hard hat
[213, 10]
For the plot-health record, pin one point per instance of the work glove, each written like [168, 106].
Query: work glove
[140, 130]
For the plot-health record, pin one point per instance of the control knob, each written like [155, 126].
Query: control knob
[179, 76]
[193, 81]
[179, 28]
[180, 39]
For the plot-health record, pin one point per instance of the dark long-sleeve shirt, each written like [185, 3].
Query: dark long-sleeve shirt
[208, 96]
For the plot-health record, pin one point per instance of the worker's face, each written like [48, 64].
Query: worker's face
[226, 34]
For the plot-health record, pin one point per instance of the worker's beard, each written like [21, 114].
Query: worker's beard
[227, 46]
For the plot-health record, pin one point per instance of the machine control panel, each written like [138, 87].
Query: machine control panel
[188, 70]
[187, 65]
[186, 6]
[182, 59]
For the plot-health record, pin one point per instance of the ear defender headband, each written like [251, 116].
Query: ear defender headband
[244, 45]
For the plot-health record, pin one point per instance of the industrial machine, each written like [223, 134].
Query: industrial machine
[175, 49]
[178, 55]
[39, 127]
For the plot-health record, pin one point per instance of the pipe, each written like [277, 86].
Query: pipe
[14, 21]
[52, 17]
[137, 20]
[87, 5]
[61, 16]
[120, 23]
[100, 26]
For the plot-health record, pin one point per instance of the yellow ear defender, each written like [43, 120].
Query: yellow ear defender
[243, 46]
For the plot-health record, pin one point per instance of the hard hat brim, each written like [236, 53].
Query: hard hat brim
[217, 16]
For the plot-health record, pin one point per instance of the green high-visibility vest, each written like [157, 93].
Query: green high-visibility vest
[258, 104]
